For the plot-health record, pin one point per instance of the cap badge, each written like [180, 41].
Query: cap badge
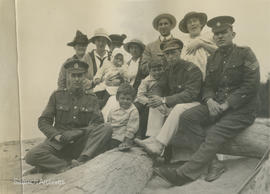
[76, 66]
[218, 24]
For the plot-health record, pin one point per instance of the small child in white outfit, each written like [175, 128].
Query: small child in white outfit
[111, 74]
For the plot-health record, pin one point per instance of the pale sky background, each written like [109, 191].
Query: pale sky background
[45, 26]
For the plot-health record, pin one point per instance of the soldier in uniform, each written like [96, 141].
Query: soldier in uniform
[230, 100]
[184, 81]
[73, 124]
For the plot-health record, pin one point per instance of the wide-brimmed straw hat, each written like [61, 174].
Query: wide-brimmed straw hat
[100, 32]
[183, 23]
[80, 38]
[164, 15]
[134, 41]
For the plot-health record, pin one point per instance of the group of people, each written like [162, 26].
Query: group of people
[167, 87]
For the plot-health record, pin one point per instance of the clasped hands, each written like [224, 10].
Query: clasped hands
[69, 136]
[215, 108]
[154, 101]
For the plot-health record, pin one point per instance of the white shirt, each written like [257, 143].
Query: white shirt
[201, 55]
[98, 62]
[124, 122]
[133, 70]
[162, 38]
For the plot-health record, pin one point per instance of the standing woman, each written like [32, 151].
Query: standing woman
[197, 46]
[136, 73]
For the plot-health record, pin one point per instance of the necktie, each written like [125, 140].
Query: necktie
[101, 60]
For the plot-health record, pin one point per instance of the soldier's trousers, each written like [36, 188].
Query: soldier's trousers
[93, 143]
[222, 129]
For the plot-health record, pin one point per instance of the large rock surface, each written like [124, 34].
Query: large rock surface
[112, 172]
[116, 172]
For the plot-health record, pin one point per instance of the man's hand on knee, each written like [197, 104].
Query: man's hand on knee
[57, 138]
[214, 108]
[70, 135]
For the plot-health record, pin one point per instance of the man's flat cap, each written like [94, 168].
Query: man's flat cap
[171, 45]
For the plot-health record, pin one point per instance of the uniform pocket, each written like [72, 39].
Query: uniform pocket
[211, 69]
[235, 72]
[85, 113]
[62, 113]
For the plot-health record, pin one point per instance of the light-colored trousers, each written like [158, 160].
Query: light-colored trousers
[111, 103]
[165, 132]
[155, 121]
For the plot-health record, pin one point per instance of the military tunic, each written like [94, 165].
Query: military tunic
[232, 76]
[63, 78]
[184, 83]
[67, 110]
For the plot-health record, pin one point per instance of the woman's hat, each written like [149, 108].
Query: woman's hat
[80, 38]
[134, 41]
[100, 32]
[183, 23]
[118, 39]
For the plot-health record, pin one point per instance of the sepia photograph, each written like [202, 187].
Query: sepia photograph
[135, 96]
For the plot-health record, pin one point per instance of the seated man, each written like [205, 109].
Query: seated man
[184, 81]
[72, 122]
[230, 101]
